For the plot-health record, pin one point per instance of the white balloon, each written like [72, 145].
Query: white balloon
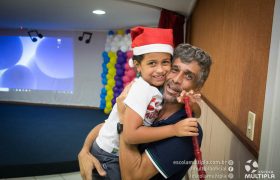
[107, 48]
[124, 48]
[114, 48]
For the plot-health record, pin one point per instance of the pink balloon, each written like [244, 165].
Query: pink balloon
[131, 73]
[125, 79]
[125, 84]
[129, 54]
[126, 66]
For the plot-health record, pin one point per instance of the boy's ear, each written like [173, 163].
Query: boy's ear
[137, 65]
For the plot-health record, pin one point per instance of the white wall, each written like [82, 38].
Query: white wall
[269, 158]
[87, 70]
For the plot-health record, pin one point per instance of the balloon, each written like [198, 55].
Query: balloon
[131, 73]
[120, 32]
[113, 101]
[104, 81]
[115, 89]
[111, 32]
[119, 83]
[109, 104]
[113, 60]
[104, 54]
[118, 66]
[103, 75]
[119, 53]
[120, 72]
[117, 78]
[106, 111]
[124, 48]
[110, 93]
[129, 54]
[102, 95]
[125, 79]
[126, 66]
[103, 91]
[121, 60]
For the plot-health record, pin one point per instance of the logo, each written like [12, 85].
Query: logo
[251, 166]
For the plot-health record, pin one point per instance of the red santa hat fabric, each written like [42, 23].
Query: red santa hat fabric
[148, 40]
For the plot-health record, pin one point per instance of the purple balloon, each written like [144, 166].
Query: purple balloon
[121, 60]
[118, 78]
[115, 89]
[124, 55]
[119, 83]
[119, 53]
[118, 66]
[120, 72]
[113, 101]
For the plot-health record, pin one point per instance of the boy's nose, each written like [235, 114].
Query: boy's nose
[159, 69]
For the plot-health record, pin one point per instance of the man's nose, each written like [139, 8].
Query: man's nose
[178, 78]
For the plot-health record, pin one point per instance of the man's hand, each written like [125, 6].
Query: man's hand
[87, 163]
[186, 127]
[194, 97]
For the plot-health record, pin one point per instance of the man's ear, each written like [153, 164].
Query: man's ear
[197, 89]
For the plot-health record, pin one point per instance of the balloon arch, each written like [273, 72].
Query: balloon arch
[116, 72]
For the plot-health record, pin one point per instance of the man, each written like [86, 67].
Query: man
[159, 160]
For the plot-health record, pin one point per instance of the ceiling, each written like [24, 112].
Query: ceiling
[77, 14]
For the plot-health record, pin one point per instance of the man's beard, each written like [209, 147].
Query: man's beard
[171, 98]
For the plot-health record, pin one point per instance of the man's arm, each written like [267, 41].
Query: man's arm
[133, 164]
[87, 161]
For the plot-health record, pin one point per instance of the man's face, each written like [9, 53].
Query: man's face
[181, 77]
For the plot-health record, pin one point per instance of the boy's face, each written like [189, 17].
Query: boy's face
[154, 67]
[181, 77]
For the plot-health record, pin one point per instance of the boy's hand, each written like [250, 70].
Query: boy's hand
[186, 127]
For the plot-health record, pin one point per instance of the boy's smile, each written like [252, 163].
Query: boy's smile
[154, 67]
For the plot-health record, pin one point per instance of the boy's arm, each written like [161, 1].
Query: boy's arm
[135, 133]
[87, 162]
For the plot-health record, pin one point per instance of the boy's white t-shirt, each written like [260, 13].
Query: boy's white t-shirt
[144, 99]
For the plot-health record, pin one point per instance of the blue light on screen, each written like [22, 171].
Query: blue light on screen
[47, 64]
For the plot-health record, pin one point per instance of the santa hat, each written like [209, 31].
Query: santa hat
[148, 40]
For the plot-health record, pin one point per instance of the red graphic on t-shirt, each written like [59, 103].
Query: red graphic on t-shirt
[152, 110]
[152, 104]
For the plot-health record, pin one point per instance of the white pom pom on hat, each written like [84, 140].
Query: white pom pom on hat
[130, 63]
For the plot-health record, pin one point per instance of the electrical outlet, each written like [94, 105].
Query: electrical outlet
[251, 125]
